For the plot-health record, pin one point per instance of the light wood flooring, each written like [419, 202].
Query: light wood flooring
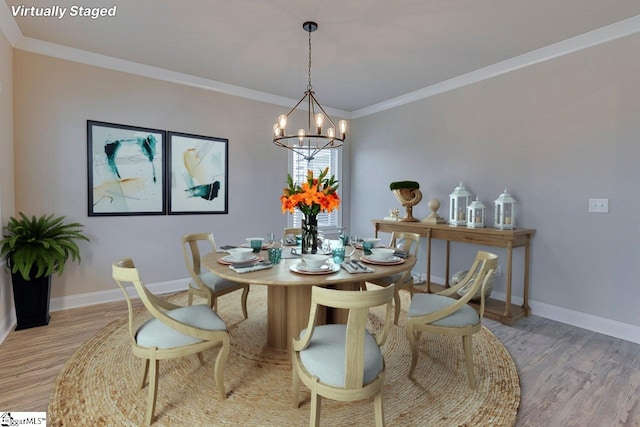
[569, 376]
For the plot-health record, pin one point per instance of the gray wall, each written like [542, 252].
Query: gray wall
[556, 134]
[53, 100]
[6, 171]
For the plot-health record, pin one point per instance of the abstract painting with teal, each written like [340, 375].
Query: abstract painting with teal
[198, 180]
[147, 146]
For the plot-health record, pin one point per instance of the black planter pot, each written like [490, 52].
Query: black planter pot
[31, 299]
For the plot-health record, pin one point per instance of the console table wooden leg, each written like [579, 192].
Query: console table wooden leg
[507, 303]
[446, 270]
[428, 262]
[525, 303]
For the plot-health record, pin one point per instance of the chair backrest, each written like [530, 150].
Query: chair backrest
[123, 271]
[291, 230]
[484, 265]
[358, 303]
[193, 245]
[410, 242]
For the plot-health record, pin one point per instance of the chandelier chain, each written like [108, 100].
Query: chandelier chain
[309, 87]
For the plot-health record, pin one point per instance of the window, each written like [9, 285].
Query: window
[299, 168]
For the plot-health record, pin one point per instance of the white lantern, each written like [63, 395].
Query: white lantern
[505, 215]
[476, 213]
[458, 202]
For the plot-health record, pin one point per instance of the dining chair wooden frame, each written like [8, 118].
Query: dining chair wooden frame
[197, 340]
[401, 280]
[214, 286]
[291, 230]
[441, 314]
[356, 342]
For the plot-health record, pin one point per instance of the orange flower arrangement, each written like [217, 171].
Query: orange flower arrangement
[313, 196]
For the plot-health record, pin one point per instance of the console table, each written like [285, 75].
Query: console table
[504, 311]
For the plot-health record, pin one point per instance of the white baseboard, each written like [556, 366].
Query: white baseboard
[609, 327]
[600, 325]
[91, 298]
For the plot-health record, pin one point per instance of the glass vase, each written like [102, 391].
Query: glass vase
[309, 234]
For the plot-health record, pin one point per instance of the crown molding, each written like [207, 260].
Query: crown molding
[592, 38]
[94, 59]
[8, 25]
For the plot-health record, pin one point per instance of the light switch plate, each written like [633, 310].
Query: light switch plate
[599, 205]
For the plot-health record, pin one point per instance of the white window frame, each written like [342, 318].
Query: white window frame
[327, 222]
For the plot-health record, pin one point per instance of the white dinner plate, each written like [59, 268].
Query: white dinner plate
[302, 268]
[391, 261]
[228, 260]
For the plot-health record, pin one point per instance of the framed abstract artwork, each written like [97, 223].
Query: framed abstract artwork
[198, 176]
[126, 170]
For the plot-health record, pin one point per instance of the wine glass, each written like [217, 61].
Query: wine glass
[271, 238]
[353, 239]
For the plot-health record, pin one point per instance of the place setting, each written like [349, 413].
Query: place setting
[315, 264]
[381, 256]
[244, 260]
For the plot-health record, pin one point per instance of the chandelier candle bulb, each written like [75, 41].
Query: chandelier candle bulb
[343, 128]
[282, 122]
[319, 123]
[331, 132]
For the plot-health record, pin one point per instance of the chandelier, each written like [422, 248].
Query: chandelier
[321, 132]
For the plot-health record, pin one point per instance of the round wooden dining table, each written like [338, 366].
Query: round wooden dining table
[289, 293]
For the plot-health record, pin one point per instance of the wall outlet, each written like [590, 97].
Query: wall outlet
[599, 205]
[499, 271]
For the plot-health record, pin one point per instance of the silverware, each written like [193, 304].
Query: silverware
[364, 267]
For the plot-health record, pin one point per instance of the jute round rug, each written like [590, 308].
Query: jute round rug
[97, 386]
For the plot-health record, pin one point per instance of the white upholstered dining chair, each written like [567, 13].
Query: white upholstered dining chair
[342, 362]
[206, 284]
[442, 314]
[408, 242]
[173, 331]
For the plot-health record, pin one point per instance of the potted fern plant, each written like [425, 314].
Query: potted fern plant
[35, 248]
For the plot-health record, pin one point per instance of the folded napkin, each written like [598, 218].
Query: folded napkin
[288, 253]
[355, 267]
[247, 268]
[401, 254]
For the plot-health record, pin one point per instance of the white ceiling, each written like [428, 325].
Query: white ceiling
[365, 52]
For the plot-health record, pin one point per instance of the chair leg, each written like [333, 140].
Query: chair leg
[245, 293]
[467, 344]
[295, 389]
[316, 404]
[411, 336]
[153, 390]
[396, 303]
[145, 372]
[190, 297]
[377, 407]
[221, 360]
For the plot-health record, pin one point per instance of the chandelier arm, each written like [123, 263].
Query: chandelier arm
[299, 102]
